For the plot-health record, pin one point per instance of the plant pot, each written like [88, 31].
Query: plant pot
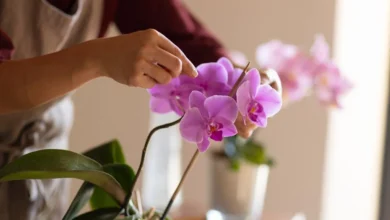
[237, 195]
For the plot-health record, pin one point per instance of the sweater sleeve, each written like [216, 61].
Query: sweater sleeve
[174, 20]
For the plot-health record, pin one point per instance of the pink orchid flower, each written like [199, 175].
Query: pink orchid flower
[291, 65]
[329, 84]
[257, 102]
[211, 80]
[211, 117]
[169, 97]
[232, 73]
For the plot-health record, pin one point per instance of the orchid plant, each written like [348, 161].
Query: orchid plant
[301, 74]
[207, 107]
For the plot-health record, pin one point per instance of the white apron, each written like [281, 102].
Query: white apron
[37, 28]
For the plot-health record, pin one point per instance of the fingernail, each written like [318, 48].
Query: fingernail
[194, 71]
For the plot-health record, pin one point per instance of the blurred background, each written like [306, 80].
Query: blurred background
[329, 162]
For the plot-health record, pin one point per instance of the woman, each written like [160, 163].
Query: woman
[47, 51]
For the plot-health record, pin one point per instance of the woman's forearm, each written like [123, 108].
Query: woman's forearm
[28, 83]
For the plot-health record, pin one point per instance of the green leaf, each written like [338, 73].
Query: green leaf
[107, 153]
[100, 214]
[254, 153]
[81, 198]
[55, 163]
[234, 165]
[123, 174]
[271, 162]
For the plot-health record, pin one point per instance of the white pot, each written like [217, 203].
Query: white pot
[237, 195]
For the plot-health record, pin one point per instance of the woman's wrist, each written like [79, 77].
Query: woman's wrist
[83, 63]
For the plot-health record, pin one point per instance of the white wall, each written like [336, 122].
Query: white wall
[356, 134]
[296, 137]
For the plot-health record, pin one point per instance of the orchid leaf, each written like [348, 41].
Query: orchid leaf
[81, 198]
[107, 153]
[55, 163]
[123, 174]
[100, 214]
[111, 156]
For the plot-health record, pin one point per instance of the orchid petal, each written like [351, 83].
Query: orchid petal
[228, 127]
[204, 144]
[225, 62]
[213, 72]
[274, 53]
[265, 52]
[159, 105]
[179, 106]
[162, 91]
[238, 58]
[233, 76]
[217, 136]
[253, 76]
[261, 120]
[221, 106]
[320, 49]
[243, 98]
[269, 99]
[197, 100]
[192, 126]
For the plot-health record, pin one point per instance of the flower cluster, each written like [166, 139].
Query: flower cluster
[209, 110]
[300, 72]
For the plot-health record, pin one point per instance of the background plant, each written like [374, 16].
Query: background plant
[302, 73]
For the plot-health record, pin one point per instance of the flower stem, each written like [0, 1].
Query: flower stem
[128, 196]
[237, 84]
[188, 168]
[195, 156]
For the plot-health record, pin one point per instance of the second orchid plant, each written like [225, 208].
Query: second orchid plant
[301, 74]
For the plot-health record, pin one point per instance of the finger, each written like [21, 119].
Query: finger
[147, 82]
[272, 78]
[168, 61]
[187, 67]
[245, 133]
[246, 129]
[157, 73]
[264, 78]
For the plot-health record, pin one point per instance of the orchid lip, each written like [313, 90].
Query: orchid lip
[214, 131]
[254, 110]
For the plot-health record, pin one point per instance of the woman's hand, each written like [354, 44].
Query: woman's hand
[140, 59]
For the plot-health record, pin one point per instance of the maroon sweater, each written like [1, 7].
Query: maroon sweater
[170, 17]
